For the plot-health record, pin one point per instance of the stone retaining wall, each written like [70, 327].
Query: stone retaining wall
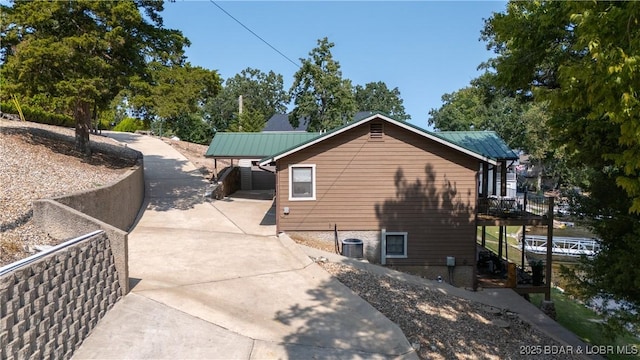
[63, 222]
[49, 306]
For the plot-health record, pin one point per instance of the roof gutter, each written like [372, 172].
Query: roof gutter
[260, 166]
[265, 162]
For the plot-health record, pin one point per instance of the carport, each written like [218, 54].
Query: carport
[244, 150]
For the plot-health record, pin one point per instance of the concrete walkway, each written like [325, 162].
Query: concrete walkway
[211, 280]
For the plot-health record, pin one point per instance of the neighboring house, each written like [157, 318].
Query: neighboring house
[409, 194]
[280, 122]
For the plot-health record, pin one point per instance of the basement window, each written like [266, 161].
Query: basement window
[376, 131]
[395, 244]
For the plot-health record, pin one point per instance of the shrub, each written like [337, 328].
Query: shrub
[129, 125]
[38, 115]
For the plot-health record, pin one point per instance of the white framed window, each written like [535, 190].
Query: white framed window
[302, 182]
[394, 244]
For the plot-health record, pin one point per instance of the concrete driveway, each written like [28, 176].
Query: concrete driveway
[210, 279]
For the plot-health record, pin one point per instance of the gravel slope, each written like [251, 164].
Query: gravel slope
[39, 161]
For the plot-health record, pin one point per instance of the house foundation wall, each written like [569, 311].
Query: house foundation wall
[370, 240]
[463, 275]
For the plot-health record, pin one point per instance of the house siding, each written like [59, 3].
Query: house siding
[404, 182]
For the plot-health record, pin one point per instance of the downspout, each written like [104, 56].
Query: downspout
[277, 199]
[383, 247]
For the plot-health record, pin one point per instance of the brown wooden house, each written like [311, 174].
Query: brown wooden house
[411, 195]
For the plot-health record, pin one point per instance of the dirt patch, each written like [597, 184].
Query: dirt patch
[310, 241]
[195, 154]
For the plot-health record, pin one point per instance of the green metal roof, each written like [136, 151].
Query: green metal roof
[486, 143]
[239, 145]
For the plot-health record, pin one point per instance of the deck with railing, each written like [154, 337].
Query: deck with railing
[526, 209]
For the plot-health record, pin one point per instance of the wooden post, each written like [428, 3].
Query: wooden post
[484, 236]
[506, 244]
[494, 186]
[500, 242]
[524, 233]
[547, 290]
[503, 178]
[485, 180]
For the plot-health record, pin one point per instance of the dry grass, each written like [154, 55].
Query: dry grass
[11, 249]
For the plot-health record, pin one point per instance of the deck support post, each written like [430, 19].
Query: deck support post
[547, 291]
[506, 244]
[500, 239]
[524, 234]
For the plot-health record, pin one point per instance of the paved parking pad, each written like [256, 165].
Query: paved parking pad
[211, 280]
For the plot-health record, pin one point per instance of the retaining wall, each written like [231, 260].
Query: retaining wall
[228, 182]
[116, 204]
[63, 222]
[49, 306]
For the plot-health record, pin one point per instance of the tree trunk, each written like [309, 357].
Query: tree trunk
[82, 115]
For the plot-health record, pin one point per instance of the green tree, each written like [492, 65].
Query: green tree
[320, 95]
[192, 128]
[583, 58]
[78, 55]
[261, 93]
[464, 109]
[248, 121]
[523, 124]
[175, 95]
[376, 96]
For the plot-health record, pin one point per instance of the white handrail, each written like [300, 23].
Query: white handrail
[16, 265]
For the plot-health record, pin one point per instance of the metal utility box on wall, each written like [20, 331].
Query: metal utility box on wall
[352, 248]
[451, 261]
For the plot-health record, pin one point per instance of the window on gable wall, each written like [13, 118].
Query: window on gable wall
[302, 182]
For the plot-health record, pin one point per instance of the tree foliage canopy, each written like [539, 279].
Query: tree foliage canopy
[78, 55]
[583, 58]
[376, 96]
[320, 95]
[248, 121]
[177, 90]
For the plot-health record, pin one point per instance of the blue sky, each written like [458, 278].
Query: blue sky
[425, 48]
